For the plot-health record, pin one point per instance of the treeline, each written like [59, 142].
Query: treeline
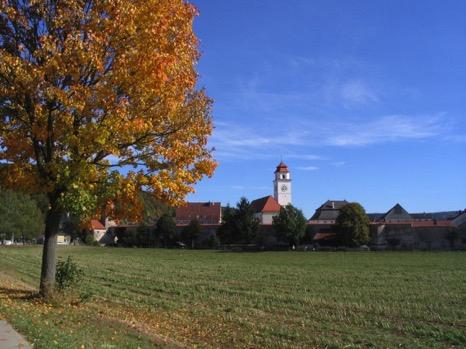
[22, 218]
[163, 234]
[241, 226]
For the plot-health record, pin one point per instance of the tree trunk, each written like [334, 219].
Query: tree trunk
[49, 260]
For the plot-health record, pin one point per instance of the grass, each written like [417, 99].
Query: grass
[156, 298]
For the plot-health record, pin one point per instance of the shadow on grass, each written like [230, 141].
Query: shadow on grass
[19, 294]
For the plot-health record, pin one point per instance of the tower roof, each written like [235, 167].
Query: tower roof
[281, 167]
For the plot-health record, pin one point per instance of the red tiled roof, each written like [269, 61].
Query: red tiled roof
[432, 223]
[266, 204]
[281, 167]
[96, 225]
[323, 236]
[204, 212]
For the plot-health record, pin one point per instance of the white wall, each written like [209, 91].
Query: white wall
[267, 218]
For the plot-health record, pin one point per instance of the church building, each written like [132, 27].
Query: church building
[269, 206]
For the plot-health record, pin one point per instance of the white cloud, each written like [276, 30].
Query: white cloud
[385, 129]
[338, 163]
[305, 156]
[293, 141]
[307, 168]
[358, 92]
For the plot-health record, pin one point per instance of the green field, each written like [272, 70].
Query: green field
[178, 298]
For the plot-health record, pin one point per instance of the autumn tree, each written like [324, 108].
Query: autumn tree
[290, 224]
[89, 87]
[352, 225]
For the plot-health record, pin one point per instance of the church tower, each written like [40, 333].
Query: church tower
[282, 185]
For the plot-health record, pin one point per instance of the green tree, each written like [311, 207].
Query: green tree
[19, 216]
[166, 230]
[72, 227]
[352, 225]
[290, 224]
[239, 224]
[225, 230]
[191, 232]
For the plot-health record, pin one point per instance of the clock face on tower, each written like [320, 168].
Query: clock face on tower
[284, 187]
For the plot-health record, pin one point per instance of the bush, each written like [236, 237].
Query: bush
[68, 274]
[90, 240]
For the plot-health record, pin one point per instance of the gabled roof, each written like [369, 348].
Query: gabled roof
[96, 225]
[329, 210]
[396, 213]
[204, 212]
[333, 204]
[460, 219]
[265, 204]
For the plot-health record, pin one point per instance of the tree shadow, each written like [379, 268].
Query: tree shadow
[19, 294]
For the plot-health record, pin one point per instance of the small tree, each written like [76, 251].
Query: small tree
[239, 224]
[290, 224]
[352, 225]
[166, 230]
[191, 232]
[225, 230]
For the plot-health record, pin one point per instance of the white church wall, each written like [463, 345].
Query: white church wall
[267, 218]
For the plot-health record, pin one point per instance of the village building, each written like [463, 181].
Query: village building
[98, 230]
[269, 206]
[321, 224]
[328, 212]
[265, 209]
[395, 229]
[397, 214]
[206, 213]
[460, 219]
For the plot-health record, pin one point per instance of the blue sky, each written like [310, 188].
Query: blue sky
[364, 100]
